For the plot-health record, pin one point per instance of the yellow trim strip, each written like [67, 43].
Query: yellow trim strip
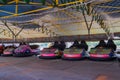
[21, 2]
[35, 3]
[36, 10]
[8, 3]
[6, 12]
[65, 4]
[7, 16]
[27, 12]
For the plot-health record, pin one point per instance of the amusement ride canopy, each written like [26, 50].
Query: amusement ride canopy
[49, 20]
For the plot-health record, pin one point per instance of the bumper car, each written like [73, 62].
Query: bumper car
[101, 54]
[35, 49]
[48, 53]
[1, 49]
[23, 51]
[73, 54]
[118, 56]
[8, 52]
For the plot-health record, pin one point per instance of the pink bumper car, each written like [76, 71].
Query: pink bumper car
[23, 51]
[8, 52]
[50, 53]
[73, 54]
[35, 49]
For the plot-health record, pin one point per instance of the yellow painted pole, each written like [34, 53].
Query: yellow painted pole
[57, 2]
[16, 1]
[16, 8]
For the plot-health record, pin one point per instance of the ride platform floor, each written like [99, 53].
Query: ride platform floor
[33, 68]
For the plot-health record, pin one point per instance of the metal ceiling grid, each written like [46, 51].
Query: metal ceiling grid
[111, 8]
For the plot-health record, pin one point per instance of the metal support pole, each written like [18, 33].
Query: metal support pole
[86, 25]
[14, 38]
[8, 27]
[13, 33]
[19, 31]
[83, 8]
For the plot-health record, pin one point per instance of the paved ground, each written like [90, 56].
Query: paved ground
[32, 68]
